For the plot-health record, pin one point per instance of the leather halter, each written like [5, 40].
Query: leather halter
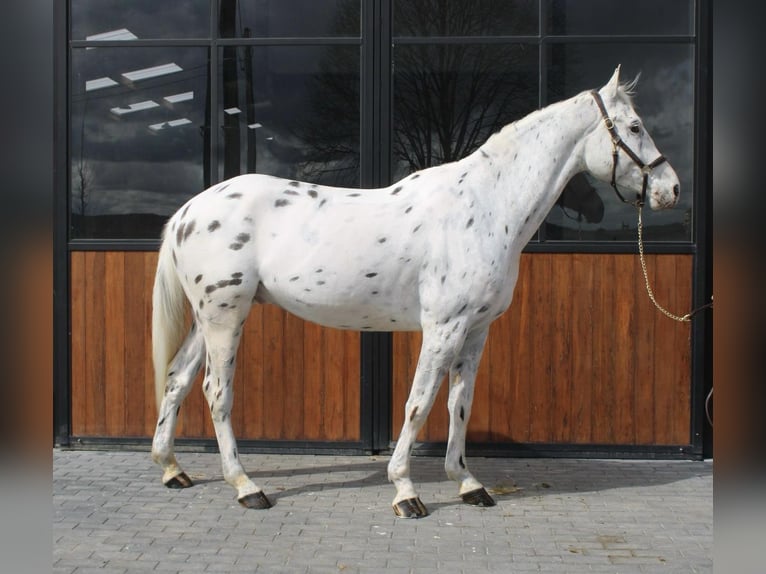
[617, 143]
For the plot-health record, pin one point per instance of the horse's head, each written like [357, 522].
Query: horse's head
[620, 150]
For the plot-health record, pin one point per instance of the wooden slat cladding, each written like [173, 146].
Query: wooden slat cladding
[294, 380]
[581, 357]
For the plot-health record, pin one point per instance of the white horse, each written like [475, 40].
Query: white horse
[438, 252]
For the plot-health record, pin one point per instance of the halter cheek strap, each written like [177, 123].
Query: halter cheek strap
[618, 144]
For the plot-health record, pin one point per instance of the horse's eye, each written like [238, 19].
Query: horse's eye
[635, 127]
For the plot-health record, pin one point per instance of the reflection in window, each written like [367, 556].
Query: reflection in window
[290, 18]
[475, 18]
[448, 99]
[291, 111]
[137, 138]
[139, 19]
[610, 18]
[665, 101]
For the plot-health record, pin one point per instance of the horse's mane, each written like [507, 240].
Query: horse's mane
[625, 92]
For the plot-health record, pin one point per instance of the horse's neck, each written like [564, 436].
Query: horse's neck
[538, 155]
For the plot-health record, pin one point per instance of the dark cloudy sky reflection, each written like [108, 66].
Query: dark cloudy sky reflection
[147, 19]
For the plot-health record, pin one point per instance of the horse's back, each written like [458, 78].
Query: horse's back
[349, 258]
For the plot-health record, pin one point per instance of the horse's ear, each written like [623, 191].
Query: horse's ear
[610, 90]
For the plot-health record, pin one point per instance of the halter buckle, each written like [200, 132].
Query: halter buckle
[609, 123]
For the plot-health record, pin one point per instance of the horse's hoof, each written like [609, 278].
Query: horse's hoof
[256, 500]
[410, 508]
[478, 497]
[179, 481]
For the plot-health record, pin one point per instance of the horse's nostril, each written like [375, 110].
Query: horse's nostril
[676, 190]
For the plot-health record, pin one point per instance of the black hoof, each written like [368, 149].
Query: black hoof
[179, 481]
[478, 497]
[410, 508]
[256, 500]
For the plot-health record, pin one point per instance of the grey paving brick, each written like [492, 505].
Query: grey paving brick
[333, 514]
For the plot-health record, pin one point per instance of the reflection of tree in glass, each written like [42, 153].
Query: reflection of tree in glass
[448, 98]
[330, 129]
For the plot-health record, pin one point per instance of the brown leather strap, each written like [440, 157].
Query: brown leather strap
[618, 144]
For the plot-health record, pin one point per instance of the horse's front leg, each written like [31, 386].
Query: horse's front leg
[222, 343]
[462, 379]
[436, 353]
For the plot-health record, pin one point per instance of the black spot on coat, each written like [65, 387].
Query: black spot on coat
[189, 229]
[180, 234]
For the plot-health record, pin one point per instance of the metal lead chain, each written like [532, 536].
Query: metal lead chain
[681, 318]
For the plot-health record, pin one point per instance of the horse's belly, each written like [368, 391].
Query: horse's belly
[350, 307]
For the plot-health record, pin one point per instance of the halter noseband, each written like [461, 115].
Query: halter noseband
[617, 143]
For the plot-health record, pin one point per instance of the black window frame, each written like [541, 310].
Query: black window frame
[375, 42]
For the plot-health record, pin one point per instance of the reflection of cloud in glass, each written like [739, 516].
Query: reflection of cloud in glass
[664, 100]
[145, 19]
[142, 187]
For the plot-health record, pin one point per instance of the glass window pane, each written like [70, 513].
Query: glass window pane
[664, 99]
[291, 111]
[448, 99]
[611, 18]
[476, 18]
[290, 18]
[139, 19]
[137, 138]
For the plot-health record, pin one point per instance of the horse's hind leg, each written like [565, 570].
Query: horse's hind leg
[222, 340]
[181, 372]
[462, 380]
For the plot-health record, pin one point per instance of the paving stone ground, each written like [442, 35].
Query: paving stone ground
[332, 515]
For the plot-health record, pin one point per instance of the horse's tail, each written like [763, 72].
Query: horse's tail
[168, 314]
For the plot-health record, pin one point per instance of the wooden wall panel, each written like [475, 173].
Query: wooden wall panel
[294, 380]
[581, 357]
